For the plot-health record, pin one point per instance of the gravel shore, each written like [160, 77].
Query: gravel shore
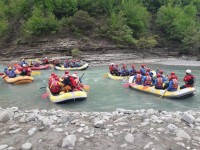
[122, 129]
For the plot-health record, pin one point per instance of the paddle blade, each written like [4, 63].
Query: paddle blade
[105, 75]
[86, 87]
[35, 73]
[126, 85]
[1, 73]
[45, 95]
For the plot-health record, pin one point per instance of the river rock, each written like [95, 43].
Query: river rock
[47, 121]
[172, 127]
[14, 109]
[69, 141]
[150, 111]
[26, 146]
[181, 144]
[147, 145]
[122, 119]
[182, 134]
[2, 147]
[15, 131]
[23, 119]
[129, 138]
[99, 124]
[14, 126]
[32, 131]
[188, 118]
[6, 115]
[58, 129]
[196, 138]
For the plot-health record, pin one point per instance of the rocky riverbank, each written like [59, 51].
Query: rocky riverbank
[122, 129]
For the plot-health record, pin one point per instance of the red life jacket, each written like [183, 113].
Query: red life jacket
[175, 84]
[148, 80]
[159, 82]
[55, 87]
[138, 78]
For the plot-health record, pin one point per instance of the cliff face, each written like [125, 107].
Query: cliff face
[95, 52]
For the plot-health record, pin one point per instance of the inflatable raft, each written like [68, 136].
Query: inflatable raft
[179, 94]
[18, 80]
[41, 67]
[65, 97]
[83, 67]
[117, 77]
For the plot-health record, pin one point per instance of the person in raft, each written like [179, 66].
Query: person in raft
[143, 69]
[55, 87]
[116, 70]
[25, 70]
[132, 71]
[124, 71]
[188, 79]
[137, 78]
[23, 62]
[173, 84]
[69, 83]
[111, 67]
[10, 72]
[45, 61]
[147, 80]
[158, 83]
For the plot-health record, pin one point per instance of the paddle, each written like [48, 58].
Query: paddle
[1, 73]
[35, 73]
[45, 95]
[163, 93]
[125, 85]
[86, 87]
[105, 75]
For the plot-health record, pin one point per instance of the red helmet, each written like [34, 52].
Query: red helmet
[138, 72]
[116, 65]
[158, 75]
[142, 65]
[56, 78]
[172, 73]
[52, 74]
[147, 73]
[173, 77]
[133, 66]
[148, 70]
[161, 71]
[66, 72]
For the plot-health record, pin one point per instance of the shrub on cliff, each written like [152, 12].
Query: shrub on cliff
[76, 52]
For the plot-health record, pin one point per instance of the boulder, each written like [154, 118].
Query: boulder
[69, 141]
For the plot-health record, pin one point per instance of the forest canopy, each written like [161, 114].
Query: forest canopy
[122, 21]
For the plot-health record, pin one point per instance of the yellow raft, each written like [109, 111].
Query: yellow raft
[179, 94]
[83, 67]
[65, 97]
[117, 77]
[18, 80]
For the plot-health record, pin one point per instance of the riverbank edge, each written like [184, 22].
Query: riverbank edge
[120, 129]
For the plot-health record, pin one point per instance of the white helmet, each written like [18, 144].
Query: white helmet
[112, 63]
[45, 57]
[74, 75]
[188, 71]
[24, 65]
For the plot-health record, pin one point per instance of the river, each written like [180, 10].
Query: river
[104, 95]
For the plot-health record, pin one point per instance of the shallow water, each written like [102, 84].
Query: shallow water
[104, 95]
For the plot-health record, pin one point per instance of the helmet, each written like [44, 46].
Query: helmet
[142, 65]
[133, 66]
[24, 65]
[45, 57]
[173, 77]
[116, 65]
[66, 72]
[52, 74]
[172, 73]
[9, 68]
[147, 73]
[148, 70]
[138, 71]
[161, 71]
[56, 78]
[188, 71]
[74, 75]
[112, 63]
[158, 75]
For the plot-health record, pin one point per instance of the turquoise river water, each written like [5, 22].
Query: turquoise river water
[104, 95]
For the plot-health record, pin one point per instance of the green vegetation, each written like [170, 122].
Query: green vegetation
[132, 22]
[76, 52]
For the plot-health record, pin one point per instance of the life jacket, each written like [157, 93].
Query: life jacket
[147, 81]
[11, 74]
[138, 78]
[24, 71]
[189, 80]
[159, 82]
[55, 87]
[175, 84]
